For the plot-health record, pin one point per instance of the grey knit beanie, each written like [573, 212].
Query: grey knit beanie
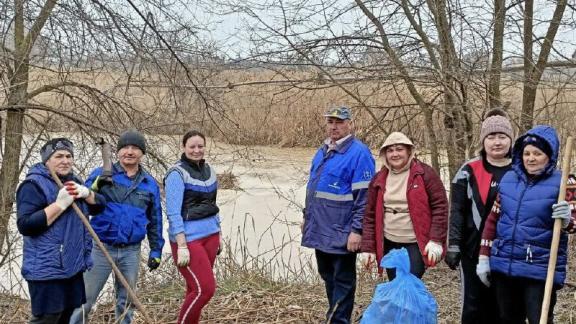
[53, 145]
[496, 123]
[132, 137]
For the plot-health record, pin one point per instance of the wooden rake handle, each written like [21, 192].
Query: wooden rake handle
[567, 154]
[117, 272]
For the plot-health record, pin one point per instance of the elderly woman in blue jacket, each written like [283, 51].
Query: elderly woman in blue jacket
[57, 246]
[515, 245]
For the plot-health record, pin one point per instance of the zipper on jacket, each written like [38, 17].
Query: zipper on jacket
[62, 255]
[529, 254]
[515, 225]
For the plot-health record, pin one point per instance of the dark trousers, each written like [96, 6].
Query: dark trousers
[339, 274]
[56, 318]
[417, 266]
[521, 298]
[479, 302]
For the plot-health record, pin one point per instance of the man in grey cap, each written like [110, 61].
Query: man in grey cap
[133, 211]
[335, 199]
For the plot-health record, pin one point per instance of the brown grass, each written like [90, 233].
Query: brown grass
[287, 115]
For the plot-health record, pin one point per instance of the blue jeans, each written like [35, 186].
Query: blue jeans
[339, 274]
[128, 261]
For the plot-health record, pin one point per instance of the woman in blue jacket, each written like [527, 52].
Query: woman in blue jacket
[194, 224]
[515, 245]
[57, 246]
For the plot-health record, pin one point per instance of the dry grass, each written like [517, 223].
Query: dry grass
[250, 296]
[228, 180]
[284, 114]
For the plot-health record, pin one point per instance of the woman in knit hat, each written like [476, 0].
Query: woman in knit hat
[473, 192]
[516, 239]
[407, 207]
[56, 248]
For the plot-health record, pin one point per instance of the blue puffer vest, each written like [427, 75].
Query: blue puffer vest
[64, 249]
[524, 231]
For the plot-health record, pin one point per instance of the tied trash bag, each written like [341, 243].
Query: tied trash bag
[404, 300]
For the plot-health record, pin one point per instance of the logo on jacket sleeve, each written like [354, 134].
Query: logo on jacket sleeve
[334, 185]
[367, 175]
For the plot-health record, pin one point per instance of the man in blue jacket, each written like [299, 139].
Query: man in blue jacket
[132, 211]
[335, 199]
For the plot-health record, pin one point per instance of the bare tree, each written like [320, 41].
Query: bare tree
[533, 70]
[62, 63]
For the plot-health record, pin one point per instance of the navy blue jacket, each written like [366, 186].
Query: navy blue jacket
[58, 251]
[336, 195]
[132, 210]
[524, 230]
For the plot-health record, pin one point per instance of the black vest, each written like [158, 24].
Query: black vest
[200, 190]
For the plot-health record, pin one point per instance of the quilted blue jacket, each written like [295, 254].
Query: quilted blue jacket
[524, 230]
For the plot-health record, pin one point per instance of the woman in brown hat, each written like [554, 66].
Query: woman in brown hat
[407, 207]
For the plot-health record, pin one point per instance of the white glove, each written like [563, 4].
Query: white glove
[64, 199]
[183, 256]
[76, 190]
[367, 260]
[483, 269]
[434, 252]
[562, 210]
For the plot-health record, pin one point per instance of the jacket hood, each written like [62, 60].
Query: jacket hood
[41, 170]
[393, 139]
[547, 134]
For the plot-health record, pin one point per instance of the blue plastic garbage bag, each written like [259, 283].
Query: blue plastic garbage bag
[404, 300]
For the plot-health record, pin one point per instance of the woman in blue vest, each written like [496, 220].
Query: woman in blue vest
[194, 224]
[515, 245]
[57, 246]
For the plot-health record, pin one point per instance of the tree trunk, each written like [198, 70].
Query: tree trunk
[13, 143]
[533, 71]
[455, 117]
[17, 96]
[497, 54]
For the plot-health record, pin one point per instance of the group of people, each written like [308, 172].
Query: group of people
[499, 220]
[66, 271]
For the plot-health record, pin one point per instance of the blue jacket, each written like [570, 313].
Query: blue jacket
[524, 230]
[199, 184]
[58, 251]
[336, 195]
[132, 210]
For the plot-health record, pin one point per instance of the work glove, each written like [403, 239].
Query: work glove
[367, 260]
[76, 190]
[453, 257]
[153, 263]
[562, 210]
[433, 251]
[64, 199]
[183, 257]
[483, 269]
[101, 182]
